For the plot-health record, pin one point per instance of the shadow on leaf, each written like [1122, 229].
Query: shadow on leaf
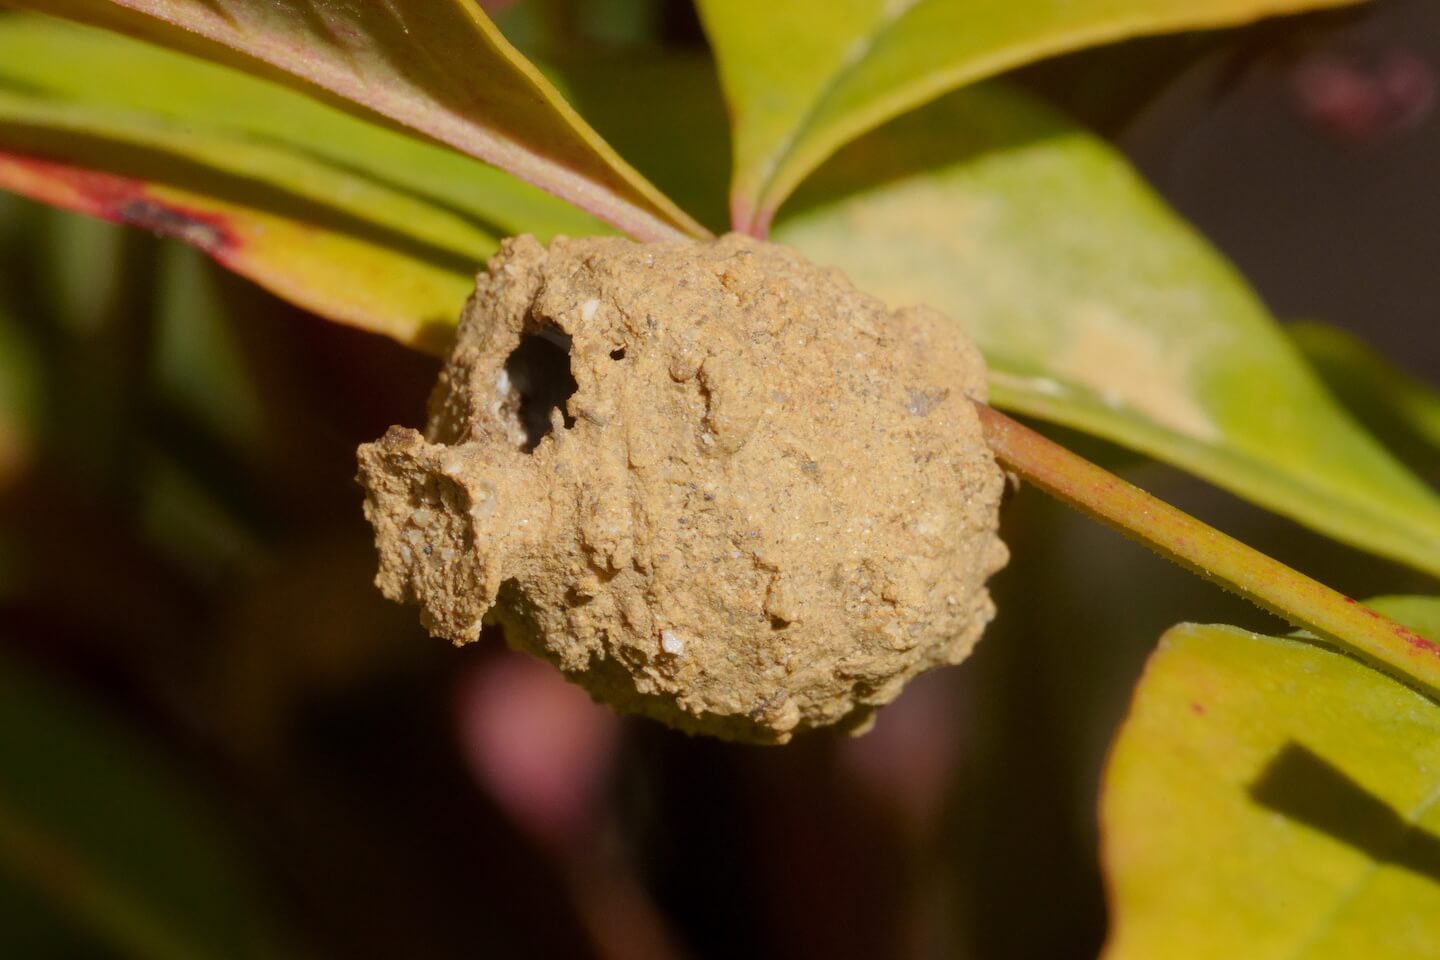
[964, 128]
[1308, 789]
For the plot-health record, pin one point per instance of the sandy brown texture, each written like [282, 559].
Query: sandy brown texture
[766, 505]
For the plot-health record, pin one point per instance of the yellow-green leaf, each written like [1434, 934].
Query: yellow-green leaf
[356, 222]
[1274, 800]
[63, 63]
[440, 68]
[324, 268]
[1098, 308]
[806, 76]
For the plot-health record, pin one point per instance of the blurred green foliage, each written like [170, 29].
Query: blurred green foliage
[119, 850]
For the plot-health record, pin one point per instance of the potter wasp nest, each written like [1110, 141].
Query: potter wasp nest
[713, 483]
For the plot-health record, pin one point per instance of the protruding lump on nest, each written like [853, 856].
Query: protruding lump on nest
[711, 482]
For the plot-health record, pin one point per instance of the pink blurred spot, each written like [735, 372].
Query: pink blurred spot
[1365, 102]
[539, 744]
[906, 762]
[544, 750]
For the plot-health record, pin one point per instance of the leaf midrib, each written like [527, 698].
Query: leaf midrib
[889, 19]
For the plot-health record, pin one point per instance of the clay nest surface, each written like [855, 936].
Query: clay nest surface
[713, 483]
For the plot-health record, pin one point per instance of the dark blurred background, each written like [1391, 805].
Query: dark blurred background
[207, 711]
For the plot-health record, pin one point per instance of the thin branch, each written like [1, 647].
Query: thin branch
[1222, 559]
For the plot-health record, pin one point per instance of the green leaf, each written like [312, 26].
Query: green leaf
[1402, 411]
[324, 268]
[440, 68]
[1099, 309]
[1268, 798]
[107, 839]
[804, 78]
[59, 62]
[353, 221]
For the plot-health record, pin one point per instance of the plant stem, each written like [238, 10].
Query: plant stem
[1203, 550]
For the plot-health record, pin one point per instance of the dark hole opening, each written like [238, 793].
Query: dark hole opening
[539, 371]
[617, 354]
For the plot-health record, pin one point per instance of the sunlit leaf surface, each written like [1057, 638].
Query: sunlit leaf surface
[356, 222]
[805, 77]
[329, 271]
[1098, 308]
[1274, 800]
[440, 68]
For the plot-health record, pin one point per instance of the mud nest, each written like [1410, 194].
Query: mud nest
[711, 482]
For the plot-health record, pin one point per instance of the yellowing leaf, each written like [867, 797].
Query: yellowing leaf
[804, 78]
[1273, 800]
[439, 67]
[1098, 308]
[356, 222]
[49, 62]
[322, 268]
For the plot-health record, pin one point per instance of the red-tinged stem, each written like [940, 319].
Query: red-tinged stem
[744, 216]
[1206, 551]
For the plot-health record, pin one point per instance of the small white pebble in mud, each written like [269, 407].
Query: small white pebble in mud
[720, 438]
[671, 643]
